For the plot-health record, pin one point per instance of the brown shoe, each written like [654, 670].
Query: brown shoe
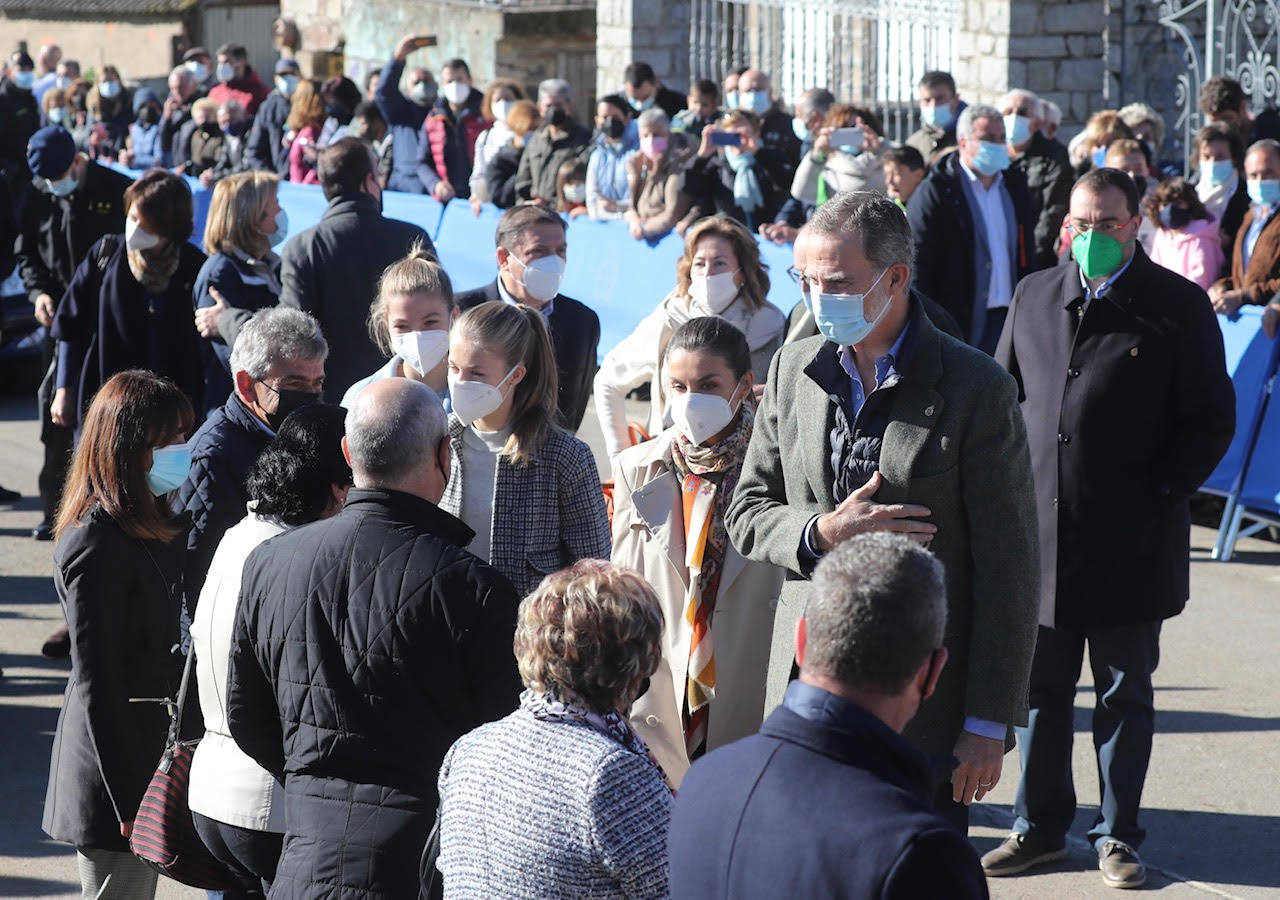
[1120, 865]
[1020, 852]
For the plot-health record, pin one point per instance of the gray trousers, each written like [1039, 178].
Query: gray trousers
[112, 875]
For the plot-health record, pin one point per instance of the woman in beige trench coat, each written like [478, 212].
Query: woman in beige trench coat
[670, 494]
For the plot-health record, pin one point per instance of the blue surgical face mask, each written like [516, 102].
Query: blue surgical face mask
[63, 187]
[1099, 157]
[1017, 129]
[842, 318]
[109, 89]
[757, 102]
[1264, 192]
[936, 116]
[25, 79]
[991, 158]
[800, 128]
[287, 84]
[58, 115]
[642, 105]
[169, 468]
[282, 228]
[1218, 172]
[731, 100]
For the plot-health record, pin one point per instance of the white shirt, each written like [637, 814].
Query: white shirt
[480, 450]
[991, 218]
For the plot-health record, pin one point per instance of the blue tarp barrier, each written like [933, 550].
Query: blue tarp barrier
[1247, 350]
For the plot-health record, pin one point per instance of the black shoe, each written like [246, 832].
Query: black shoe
[1120, 865]
[43, 531]
[57, 645]
[8, 496]
[1020, 852]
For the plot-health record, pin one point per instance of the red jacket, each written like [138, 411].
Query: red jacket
[248, 91]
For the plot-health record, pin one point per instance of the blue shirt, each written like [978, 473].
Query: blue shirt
[1261, 215]
[1090, 294]
[885, 369]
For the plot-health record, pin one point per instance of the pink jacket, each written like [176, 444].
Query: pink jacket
[301, 171]
[1195, 252]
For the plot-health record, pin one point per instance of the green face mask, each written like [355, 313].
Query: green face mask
[1097, 254]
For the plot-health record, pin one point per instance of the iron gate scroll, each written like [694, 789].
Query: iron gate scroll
[1236, 38]
[870, 52]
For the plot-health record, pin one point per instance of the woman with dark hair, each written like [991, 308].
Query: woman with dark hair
[1186, 240]
[720, 274]
[237, 805]
[718, 606]
[118, 572]
[129, 302]
[341, 97]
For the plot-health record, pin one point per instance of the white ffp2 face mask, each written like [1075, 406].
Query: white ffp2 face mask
[714, 292]
[456, 92]
[421, 351]
[542, 276]
[138, 238]
[701, 417]
[473, 400]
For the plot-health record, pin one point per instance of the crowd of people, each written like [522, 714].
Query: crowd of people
[358, 497]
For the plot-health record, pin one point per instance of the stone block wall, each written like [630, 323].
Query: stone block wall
[1054, 49]
[655, 31]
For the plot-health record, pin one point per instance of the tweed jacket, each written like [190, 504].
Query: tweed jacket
[648, 536]
[955, 443]
[545, 809]
[546, 515]
[1261, 279]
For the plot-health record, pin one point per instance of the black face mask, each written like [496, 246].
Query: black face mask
[235, 129]
[557, 117]
[1175, 217]
[1140, 182]
[613, 127]
[288, 402]
[149, 115]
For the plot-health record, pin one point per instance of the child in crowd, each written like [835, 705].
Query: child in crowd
[704, 109]
[1186, 239]
[571, 188]
[904, 169]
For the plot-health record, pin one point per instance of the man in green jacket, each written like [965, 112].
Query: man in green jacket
[883, 423]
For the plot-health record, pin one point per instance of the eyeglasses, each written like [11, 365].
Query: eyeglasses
[1107, 228]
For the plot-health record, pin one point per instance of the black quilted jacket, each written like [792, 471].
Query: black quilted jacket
[364, 646]
[222, 451]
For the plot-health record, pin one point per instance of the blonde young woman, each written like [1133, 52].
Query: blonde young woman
[720, 274]
[409, 322]
[670, 496]
[242, 274]
[528, 489]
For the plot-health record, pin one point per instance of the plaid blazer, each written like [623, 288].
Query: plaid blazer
[547, 515]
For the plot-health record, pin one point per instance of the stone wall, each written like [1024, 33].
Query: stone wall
[655, 31]
[1052, 48]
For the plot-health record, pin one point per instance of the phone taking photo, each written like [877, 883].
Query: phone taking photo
[726, 139]
[850, 140]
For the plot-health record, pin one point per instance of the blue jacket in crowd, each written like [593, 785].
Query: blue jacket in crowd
[607, 168]
[404, 121]
[148, 149]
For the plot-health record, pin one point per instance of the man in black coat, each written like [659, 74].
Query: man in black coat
[176, 124]
[971, 221]
[1128, 408]
[1046, 168]
[364, 646]
[19, 119]
[71, 204]
[829, 799]
[643, 90]
[277, 365]
[531, 258]
[332, 269]
[265, 148]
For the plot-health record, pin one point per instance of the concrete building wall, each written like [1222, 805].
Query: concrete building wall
[141, 50]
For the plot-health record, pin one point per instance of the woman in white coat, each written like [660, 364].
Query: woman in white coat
[720, 274]
[670, 495]
[237, 806]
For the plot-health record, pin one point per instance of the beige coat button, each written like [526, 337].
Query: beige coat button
[651, 721]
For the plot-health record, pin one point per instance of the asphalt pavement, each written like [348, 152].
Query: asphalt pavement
[1212, 802]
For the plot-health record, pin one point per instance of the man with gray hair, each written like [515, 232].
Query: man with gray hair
[883, 423]
[365, 644]
[560, 138]
[971, 220]
[277, 365]
[1045, 166]
[772, 811]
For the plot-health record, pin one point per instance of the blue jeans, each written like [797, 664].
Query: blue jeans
[1122, 659]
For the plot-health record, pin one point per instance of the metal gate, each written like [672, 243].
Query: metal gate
[870, 52]
[1236, 38]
